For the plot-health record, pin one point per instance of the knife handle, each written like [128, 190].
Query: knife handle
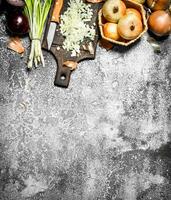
[56, 10]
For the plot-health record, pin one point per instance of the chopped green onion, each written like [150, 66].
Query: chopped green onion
[37, 12]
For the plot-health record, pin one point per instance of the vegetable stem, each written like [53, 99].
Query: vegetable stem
[37, 12]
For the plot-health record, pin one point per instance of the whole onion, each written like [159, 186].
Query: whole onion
[17, 23]
[158, 4]
[159, 23]
[17, 3]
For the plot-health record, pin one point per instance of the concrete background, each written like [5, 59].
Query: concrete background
[106, 137]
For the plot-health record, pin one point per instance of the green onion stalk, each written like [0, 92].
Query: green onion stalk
[36, 12]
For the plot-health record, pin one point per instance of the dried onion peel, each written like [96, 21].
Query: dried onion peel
[15, 44]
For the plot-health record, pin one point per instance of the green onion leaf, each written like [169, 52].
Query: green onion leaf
[36, 12]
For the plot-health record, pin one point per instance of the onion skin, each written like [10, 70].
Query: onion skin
[139, 1]
[130, 27]
[113, 10]
[159, 23]
[110, 31]
[94, 1]
[16, 3]
[158, 4]
[15, 44]
[133, 11]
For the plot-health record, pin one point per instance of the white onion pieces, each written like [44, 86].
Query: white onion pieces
[74, 26]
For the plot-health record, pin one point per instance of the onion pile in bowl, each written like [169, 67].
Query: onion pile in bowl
[121, 22]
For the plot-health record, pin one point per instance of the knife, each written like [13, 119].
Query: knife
[54, 21]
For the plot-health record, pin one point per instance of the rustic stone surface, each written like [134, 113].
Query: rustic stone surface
[106, 137]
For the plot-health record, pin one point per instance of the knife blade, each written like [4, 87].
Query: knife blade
[54, 21]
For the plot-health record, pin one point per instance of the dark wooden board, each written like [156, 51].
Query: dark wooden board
[63, 73]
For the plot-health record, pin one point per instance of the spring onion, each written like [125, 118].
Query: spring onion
[37, 12]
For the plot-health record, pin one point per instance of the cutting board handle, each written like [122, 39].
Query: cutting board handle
[63, 74]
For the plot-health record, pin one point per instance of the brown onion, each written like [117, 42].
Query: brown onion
[158, 4]
[94, 1]
[159, 23]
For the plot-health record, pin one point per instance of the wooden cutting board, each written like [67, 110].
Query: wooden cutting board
[61, 55]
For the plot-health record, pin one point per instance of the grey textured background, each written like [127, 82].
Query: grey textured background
[106, 137]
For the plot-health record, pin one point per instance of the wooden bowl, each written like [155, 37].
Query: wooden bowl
[123, 42]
